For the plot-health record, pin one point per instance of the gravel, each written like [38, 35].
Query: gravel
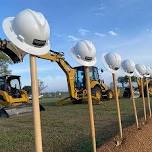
[134, 140]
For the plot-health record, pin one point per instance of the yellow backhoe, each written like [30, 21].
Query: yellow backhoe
[76, 79]
[75, 75]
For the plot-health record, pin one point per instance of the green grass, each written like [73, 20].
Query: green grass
[65, 128]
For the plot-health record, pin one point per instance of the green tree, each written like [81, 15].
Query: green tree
[124, 80]
[28, 89]
[42, 86]
[4, 63]
[134, 79]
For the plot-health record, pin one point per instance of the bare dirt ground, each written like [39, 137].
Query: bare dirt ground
[134, 140]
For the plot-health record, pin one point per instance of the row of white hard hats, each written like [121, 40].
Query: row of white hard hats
[113, 63]
[30, 31]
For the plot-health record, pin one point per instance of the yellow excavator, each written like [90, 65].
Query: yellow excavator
[76, 80]
[75, 75]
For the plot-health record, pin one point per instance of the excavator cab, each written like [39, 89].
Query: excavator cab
[99, 90]
[11, 84]
[95, 82]
[10, 90]
[80, 76]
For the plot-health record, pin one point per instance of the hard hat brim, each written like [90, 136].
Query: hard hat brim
[7, 27]
[126, 73]
[137, 74]
[82, 62]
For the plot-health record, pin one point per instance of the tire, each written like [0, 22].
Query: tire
[127, 93]
[109, 94]
[97, 93]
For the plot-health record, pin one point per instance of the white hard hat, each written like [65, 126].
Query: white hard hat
[28, 30]
[148, 71]
[84, 52]
[113, 60]
[141, 69]
[128, 66]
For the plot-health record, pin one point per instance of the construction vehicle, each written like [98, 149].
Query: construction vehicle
[10, 90]
[76, 79]
[75, 76]
[13, 100]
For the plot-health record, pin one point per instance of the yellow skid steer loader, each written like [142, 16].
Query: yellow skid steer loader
[13, 100]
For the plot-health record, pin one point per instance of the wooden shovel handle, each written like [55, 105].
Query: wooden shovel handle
[35, 102]
[91, 114]
[118, 104]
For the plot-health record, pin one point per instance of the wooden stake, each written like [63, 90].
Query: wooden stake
[143, 98]
[36, 108]
[133, 102]
[118, 104]
[87, 77]
[148, 98]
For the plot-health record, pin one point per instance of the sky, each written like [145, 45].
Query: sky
[122, 26]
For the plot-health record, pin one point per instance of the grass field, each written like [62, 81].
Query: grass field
[65, 128]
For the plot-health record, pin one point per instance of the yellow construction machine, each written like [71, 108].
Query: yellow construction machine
[10, 90]
[13, 100]
[75, 75]
[76, 79]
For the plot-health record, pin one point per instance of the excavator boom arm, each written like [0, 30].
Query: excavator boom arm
[17, 56]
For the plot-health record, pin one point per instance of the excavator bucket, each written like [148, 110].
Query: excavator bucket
[16, 55]
[7, 112]
[12, 51]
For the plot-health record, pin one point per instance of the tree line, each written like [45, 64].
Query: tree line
[124, 80]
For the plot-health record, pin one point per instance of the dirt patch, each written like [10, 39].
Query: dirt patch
[134, 140]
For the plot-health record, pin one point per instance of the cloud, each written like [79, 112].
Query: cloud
[149, 30]
[73, 38]
[99, 34]
[83, 31]
[113, 33]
